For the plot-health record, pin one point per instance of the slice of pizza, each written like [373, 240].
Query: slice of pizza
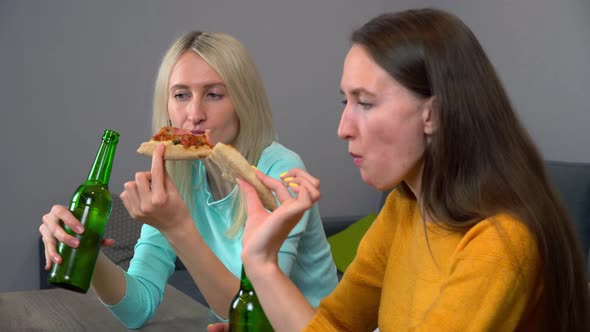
[185, 145]
[180, 144]
[233, 165]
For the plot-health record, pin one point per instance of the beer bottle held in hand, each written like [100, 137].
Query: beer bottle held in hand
[91, 205]
[245, 313]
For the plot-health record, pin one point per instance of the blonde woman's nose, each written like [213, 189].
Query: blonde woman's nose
[196, 112]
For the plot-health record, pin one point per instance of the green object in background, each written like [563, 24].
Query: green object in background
[344, 244]
[91, 205]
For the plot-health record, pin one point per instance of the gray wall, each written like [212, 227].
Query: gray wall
[70, 70]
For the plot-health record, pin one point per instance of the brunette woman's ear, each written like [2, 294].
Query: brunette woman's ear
[430, 115]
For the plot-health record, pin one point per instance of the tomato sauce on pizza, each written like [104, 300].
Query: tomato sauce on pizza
[181, 136]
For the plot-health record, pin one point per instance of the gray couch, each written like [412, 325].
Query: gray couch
[571, 180]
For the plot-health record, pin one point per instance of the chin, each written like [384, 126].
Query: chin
[381, 186]
[378, 182]
[368, 180]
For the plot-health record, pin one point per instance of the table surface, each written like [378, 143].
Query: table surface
[62, 310]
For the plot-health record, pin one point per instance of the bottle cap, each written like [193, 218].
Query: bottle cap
[110, 136]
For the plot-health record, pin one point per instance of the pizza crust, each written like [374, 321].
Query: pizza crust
[175, 151]
[233, 165]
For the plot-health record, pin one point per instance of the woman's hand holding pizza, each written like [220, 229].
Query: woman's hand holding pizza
[153, 198]
[265, 232]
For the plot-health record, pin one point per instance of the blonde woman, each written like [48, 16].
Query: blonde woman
[206, 81]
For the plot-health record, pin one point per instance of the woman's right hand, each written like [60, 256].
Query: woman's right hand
[218, 327]
[265, 232]
[52, 231]
[153, 198]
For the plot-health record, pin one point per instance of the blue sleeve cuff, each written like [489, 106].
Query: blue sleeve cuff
[135, 309]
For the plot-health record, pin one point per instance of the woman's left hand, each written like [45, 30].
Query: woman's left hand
[153, 198]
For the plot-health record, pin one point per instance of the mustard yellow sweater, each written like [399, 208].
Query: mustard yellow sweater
[485, 279]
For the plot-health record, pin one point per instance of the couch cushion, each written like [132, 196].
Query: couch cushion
[572, 183]
[345, 243]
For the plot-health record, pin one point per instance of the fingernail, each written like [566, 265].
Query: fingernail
[288, 179]
[254, 168]
[293, 184]
[79, 229]
[56, 259]
[282, 174]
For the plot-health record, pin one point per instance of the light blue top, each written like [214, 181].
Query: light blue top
[305, 256]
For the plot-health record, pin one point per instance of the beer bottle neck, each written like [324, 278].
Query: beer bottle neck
[103, 163]
[245, 283]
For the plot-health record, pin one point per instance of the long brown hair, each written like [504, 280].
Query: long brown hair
[480, 161]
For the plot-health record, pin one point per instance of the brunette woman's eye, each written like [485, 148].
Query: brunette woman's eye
[365, 105]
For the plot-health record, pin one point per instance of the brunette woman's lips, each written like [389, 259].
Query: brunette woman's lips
[197, 132]
[356, 158]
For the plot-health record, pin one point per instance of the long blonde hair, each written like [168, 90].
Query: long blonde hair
[232, 62]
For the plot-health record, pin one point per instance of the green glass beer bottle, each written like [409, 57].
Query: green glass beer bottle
[245, 313]
[91, 205]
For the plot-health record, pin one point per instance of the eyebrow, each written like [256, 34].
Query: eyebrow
[359, 91]
[206, 86]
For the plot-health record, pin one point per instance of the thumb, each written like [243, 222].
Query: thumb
[252, 200]
[108, 242]
[219, 327]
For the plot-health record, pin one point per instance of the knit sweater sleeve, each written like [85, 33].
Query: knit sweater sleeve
[492, 282]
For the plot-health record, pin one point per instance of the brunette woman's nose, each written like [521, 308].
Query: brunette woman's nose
[344, 128]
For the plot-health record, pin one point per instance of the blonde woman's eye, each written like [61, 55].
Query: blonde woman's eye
[214, 96]
[181, 96]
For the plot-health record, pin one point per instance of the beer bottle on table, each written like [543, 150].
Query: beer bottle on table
[245, 313]
[91, 205]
